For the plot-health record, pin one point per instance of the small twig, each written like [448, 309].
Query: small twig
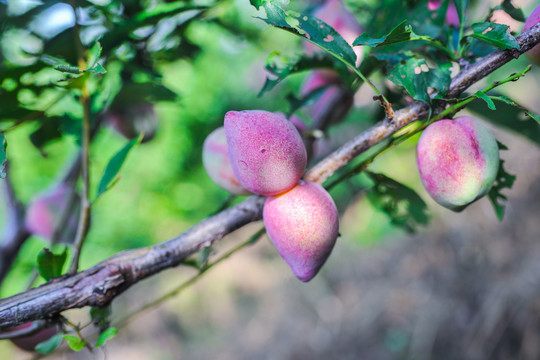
[84, 218]
[77, 330]
[123, 322]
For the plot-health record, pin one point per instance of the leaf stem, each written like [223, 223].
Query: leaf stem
[256, 236]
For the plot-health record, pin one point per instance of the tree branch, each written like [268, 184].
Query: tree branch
[99, 285]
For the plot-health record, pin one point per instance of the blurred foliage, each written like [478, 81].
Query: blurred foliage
[194, 61]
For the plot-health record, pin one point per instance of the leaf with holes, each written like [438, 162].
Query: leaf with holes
[311, 29]
[503, 181]
[417, 78]
[495, 34]
[281, 66]
[403, 205]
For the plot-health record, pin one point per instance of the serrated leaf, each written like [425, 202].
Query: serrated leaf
[510, 9]
[49, 264]
[74, 342]
[417, 78]
[48, 346]
[3, 156]
[400, 33]
[311, 29]
[487, 99]
[509, 115]
[94, 54]
[494, 34]
[115, 164]
[404, 206]
[106, 335]
[503, 181]
[281, 67]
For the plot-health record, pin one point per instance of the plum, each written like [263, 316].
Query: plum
[267, 153]
[303, 226]
[45, 211]
[215, 156]
[452, 17]
[132, 120]
[533, 19]
[458, 161]
[28, 343]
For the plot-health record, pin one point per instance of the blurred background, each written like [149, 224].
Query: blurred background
[465, 286]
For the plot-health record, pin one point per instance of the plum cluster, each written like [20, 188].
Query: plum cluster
[264, 153]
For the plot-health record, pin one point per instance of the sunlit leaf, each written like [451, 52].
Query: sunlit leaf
[106, 335]
[74, 342]
[110, 176]
[49, 264]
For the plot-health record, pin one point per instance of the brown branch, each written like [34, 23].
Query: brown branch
[99, 285]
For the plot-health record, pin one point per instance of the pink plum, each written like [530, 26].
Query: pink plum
[333, 93]
[452, 17]
[533, 19]
[130, 121]
[334, 13]
[215, 156]
[44, 212]
[458, 161]
[303, 226]
[29, 342]
[267, 153]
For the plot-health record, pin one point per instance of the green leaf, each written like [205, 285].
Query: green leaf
[495, 34]
[94, 54]
[487, 99]
[48, 346]
[503, 181]
[110, 176]
[3, 156]
[403, 205]
[106, 335]
[510, 9]
[311, 29]
[49, 264]
[97, 69]
[417, 78]
[400, 33]
[511, 102]
[282, 66]
[296, 103]
[461, 6]
[257, 3]
[510, 115]
[74, 342]
[100, 316]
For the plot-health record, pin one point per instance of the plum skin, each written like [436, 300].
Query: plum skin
[458, 161]
[266, 150]
[215, 156]
[533, 19]
[303, 226]
[28, 343]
